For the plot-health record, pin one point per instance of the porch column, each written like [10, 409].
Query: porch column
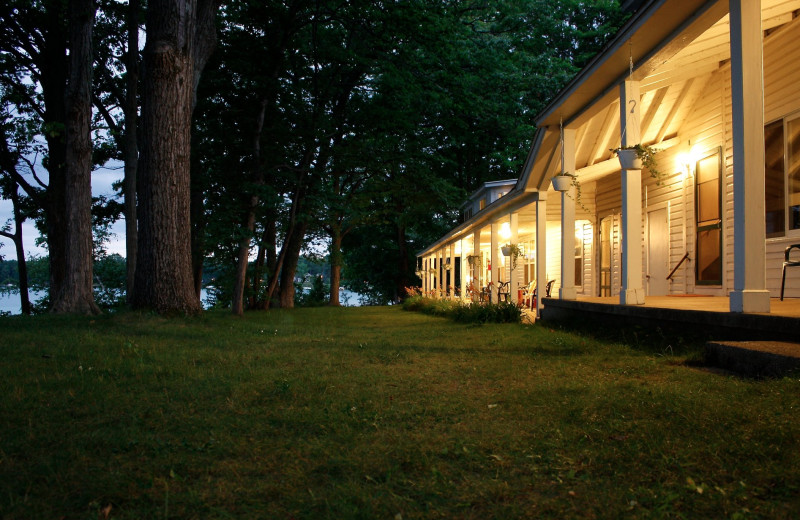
[464, 268]
[440, 274]
[541, 249]
[476, 251]
[513, 277]
[631, 292]
[431, 275]
[426, 277]
[747, 94]
[568, 291]
[451, 286]
[495, 260]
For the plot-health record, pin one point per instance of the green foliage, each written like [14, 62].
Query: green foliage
[501, 312]
[316, 296]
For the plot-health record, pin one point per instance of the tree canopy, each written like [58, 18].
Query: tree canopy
[352, 129]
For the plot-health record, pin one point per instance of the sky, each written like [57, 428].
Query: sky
[102, 179]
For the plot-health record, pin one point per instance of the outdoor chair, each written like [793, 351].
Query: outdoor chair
[503, 291]
[788, 263]
[528, 295]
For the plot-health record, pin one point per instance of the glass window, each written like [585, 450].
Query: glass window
[773, 175]
[793, 171]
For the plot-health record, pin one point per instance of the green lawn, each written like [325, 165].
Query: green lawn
[378, 413]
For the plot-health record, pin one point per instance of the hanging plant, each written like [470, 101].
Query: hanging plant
[514, 251]
[474, 260]
[639, 156]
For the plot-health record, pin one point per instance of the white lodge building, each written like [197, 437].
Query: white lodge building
[715, 87]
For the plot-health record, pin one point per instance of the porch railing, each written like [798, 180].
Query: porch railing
[684, 258]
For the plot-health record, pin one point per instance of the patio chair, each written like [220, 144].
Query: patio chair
[788, 263]
[528, 295]
[503, 290]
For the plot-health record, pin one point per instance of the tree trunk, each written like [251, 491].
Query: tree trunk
[293, 245]
[131, 146]
[16, 237]
[237, 304]
[402, 263]
[180, 37]
[336, 265]
[198, 219]
[53, 68]
[76, 295]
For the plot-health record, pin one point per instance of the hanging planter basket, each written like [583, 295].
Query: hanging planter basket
[562, 183]
[629, 159]
[506, 250]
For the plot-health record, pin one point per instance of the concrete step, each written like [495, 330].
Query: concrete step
[754, 358]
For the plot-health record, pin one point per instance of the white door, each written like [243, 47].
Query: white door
[657, 252]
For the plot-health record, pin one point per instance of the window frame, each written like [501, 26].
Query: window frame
[787, 231]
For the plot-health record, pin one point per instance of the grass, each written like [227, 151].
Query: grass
[378, 413]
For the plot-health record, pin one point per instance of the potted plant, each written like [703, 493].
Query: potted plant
[637, 157]
[474, 260]
[563, 181]
[514, 251]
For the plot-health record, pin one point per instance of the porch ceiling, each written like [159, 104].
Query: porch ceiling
[672, 75]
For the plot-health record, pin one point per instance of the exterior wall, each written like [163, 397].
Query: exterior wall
[704, 132]
[782, 98]
[584, 211]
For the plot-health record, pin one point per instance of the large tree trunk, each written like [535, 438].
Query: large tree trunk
[53, 68]
[180, 37]
[76, 295]
[131, 146]
[237, 304]
[293, 245]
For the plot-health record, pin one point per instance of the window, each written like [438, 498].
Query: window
[782, 176]
[481, 204]
[579, 258]
[709, 220]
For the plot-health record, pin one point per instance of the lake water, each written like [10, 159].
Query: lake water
[9, 300]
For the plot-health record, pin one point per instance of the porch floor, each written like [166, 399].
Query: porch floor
[789, 307]
[706, 314]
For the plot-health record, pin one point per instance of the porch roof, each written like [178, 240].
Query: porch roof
[672, 48]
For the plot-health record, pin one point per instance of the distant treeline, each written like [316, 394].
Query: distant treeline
[110, 271]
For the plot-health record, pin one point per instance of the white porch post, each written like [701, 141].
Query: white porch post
[426, 277]
[568, 291]
[513, 278]
[476, 251]
[440, 274]
[631, 292]
[541, 249]
[431, 275]
[464, 268]
[451, 286]
[495, 260]
[747, 92]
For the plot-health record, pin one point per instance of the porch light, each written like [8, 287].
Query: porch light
[687, 160]
[505, 231]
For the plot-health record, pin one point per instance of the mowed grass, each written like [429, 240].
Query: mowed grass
[378, 413]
